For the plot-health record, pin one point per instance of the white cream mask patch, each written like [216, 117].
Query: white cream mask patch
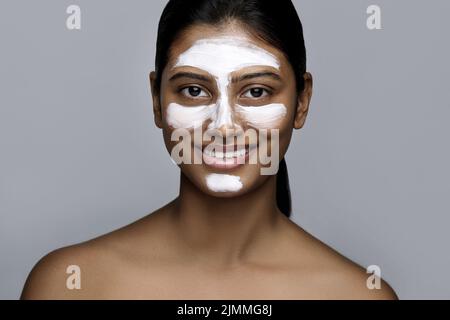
[263, 117]
[223, 183]
[179, 116]
[220, 57]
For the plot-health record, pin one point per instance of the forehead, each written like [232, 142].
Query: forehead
[228, 48]
[225, 54]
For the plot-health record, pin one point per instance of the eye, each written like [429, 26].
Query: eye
[194, 91]
[256, 93]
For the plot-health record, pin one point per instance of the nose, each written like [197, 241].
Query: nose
[224, 118]
[225, 123]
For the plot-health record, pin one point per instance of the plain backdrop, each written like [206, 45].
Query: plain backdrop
[80, 155]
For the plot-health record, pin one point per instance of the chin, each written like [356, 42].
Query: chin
[229, 184]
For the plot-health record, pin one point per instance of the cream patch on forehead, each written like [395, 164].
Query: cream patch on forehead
[221, 56]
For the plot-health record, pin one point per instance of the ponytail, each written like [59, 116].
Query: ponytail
[283, 191]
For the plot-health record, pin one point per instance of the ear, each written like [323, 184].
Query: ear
[157, 111]
[303, 101]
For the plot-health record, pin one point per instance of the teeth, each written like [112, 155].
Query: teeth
[230, 155]
[226, 155]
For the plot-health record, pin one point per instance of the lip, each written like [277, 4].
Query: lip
[226, 163]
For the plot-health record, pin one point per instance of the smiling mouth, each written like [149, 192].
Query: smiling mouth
[223, 157]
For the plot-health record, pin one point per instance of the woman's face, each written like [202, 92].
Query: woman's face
[227, 106]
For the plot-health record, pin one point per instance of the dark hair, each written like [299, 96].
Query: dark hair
[275, 22]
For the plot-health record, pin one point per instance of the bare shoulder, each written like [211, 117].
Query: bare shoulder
[345, 280]
[88, 270]
[331, 275]
[49, 277]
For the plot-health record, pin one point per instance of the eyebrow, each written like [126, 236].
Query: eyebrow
[191, 75]
[249, 76]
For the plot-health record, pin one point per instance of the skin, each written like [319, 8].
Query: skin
[251, 251]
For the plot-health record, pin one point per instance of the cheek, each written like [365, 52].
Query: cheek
[270, 116]
[183, 117]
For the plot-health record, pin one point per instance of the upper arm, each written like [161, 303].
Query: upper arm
[385, 292]
[347, 280]
[358, 289]
[48, 280]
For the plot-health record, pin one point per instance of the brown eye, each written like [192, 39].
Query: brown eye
[194, 92]
[255, 93]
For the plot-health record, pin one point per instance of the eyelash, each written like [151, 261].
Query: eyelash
[193, 97]
[267, 91]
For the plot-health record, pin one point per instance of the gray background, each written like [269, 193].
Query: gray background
[80, 155]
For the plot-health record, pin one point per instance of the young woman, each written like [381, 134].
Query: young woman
[227, 67]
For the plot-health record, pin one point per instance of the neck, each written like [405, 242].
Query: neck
[226, 231]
